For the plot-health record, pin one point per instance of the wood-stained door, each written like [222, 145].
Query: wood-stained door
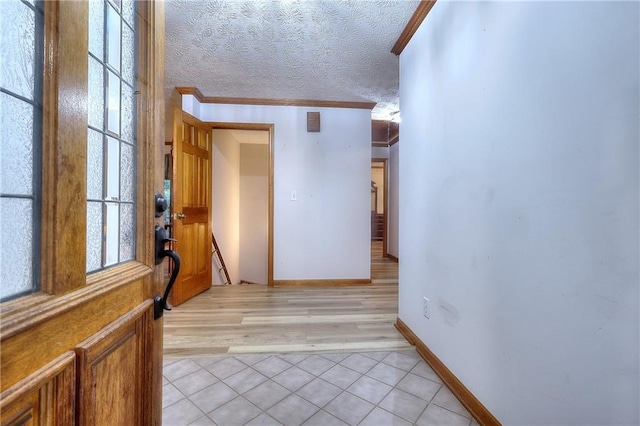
[82, 345]
[191, 204]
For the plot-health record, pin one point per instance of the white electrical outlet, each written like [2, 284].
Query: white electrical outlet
[426, 310]
[294, 195]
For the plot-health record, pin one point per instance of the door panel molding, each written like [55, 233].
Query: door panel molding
[44, 397]
[20, 320]
[115, 371]
[62, 332]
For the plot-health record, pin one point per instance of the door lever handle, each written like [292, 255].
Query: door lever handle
[162, 237]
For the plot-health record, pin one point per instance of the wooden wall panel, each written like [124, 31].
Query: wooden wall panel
[114, 371]
[45, 397]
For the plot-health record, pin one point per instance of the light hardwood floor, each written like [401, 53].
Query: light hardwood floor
[257, 319]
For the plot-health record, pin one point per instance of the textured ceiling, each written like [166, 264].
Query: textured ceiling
[314, 49]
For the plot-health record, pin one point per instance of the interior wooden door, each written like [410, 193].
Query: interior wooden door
[83, 344]
[191, 205]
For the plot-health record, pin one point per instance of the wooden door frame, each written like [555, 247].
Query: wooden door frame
[385, 201]
[215, 125]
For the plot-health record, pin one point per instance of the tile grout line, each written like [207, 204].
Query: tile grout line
[317, 409]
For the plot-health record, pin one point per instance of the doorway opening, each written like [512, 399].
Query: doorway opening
[379, 207]
[242, 202]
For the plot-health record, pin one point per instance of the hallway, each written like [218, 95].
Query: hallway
[253, 355]
[258, 319]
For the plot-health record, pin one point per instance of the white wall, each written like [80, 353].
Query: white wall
[519, 191]
[379, 152]
[393, 208]
[254, 212]
[325, 234]
[226, 203]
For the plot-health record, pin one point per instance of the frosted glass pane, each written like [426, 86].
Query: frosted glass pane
[127, 232]
[96, 28]
[94, 235]
[127, 113]
[113, 38]
[16, 256]
[96, 94]
[112, 233]
[127, 54]
[16, 152]
[17, 48]
[113, 169]
[94, 165]
[127, 172]
[128, 11]
[113, 103]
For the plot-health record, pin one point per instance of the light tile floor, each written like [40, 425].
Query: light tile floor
[369, 388]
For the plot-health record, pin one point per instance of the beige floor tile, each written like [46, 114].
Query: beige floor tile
[264, 420]
[315, 364]
[229, 390]
[226, 367]
[245, 380]
[422, 369]
[335, 357]
[319, 392]
[207, 360]
[271, 366]
[267, 394]
[402, 360]
[387, 374]
[380, 417]
[180, 368]
[419, 386]
[181, 413]
[170, 395]
[359, 363]
[203, 421]
[378, 356]
[251, 359]
[445, 399]
[322, 418]
[437, 416]
[403, 405]
[293, 358]
[213, 397]
[369, 389]
[349, 408]
[340, 376]
[293, 378]
[194, 382]
[292, 411]
[235, 412]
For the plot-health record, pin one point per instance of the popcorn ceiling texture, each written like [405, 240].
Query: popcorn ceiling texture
[313, 49]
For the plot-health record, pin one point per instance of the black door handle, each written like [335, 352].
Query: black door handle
[161, 239]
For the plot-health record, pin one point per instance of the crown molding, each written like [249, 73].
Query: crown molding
[272, 102]
[412, 26]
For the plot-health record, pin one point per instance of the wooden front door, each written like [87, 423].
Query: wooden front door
[79, 344]
[191, 204]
